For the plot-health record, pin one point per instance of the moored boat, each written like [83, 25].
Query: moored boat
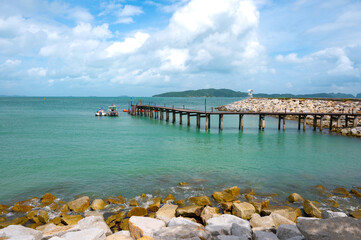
[112, 111]
[100, 112]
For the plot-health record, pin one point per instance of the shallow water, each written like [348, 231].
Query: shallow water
[57, 145]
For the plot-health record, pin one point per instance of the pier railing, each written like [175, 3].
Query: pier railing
[342, 120]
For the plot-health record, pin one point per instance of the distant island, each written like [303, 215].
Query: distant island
[211, 92]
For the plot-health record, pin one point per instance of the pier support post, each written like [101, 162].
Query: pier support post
[339, 122]
[161, 114]
[260, 122]
[354, 122]
[331, 119]
[263, 122]
[279, 122]
[167, 116]
[173, 120]
[188, 119]
[240, 125]
[180, 118]
[284, 123]
[198, 120]
[220, 122]
[321, 121]
[304, 122]
[314, 122]
[206, 122]
[209, 121]
[346, 121]
[299, 122]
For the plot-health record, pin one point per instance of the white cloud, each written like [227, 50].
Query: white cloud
[11, 63]
[38, 72]
[173, 59]
[129, 44]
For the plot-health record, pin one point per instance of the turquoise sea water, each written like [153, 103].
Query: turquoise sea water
[57, 145]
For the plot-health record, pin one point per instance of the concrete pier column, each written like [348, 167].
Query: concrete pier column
[174, 117]
[206, 122]
[339, 122]
[198, 120]
[331, 119]
[167, 116]
[279, 122]
[321, 121]
[260, 122]
[284, 123]
[346, 121]
[240, 126]
[263, 122]
[188, 119]
[299, 122]
[304, 122]
[220, 122]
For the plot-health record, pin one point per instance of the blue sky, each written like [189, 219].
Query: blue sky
[141, 48]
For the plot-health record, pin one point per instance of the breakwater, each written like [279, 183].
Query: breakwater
[201, 217]
[340, 125]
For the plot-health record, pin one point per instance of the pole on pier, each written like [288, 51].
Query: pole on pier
[263, 122]
[180, 118]
[314, 122]
[198, 120]
[173, 120]
[188, 119]
[338, 121]
[220, 122]
[240, 125]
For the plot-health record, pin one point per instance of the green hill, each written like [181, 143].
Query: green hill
[211, 92]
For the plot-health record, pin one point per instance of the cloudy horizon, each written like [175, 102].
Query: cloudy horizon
[143, 48]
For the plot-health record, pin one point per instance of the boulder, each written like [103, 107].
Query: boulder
[2, 219]
[43, 216]
[133, 202]
[234, 191]
[262, 235]
[96, 214]
[223, 197]
[88, 234]
[295, 197]
[216, 230]
[242, 231]
[25, 206]
[181, 232]
[121, 235]
[169, 198]
[200, 201]
[285, 211]
[331, 228]
[287, 231]
[124, 224]
[144, 226]
[183, 184]
[115, 200]
[166, 212]
[98, 204]
[179, 202]
[356, 214]
[355, 193]
[209, 212]
[310, 209]
[228, 237]
[189, 211]
[63, 208]
[279, 219]
[342, 192]
[47, 198]
[178, 221]
[20, 232]
[264, 222]
[16, 221]
[226, 206]
[227, 219]
[137, 211]
[93, 222]
[71, 219]
[79, 205]
[155, 205]
[116, 218]
[4, 207]
[243, 210]
[329, 214]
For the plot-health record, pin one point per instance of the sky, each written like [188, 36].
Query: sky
[142, 48]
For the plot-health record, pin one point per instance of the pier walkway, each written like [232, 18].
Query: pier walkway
[157, 112]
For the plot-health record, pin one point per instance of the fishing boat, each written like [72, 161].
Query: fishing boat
[100, 112]
[112, 111]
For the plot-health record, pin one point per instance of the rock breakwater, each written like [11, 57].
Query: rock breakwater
[304, 106]
[243, 215]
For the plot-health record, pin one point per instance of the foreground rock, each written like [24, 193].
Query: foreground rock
[144, 226]
[20, 232]
[166, 212]
[311, 210]
[79, 205]
[181, 232]
[287, 231]
[98, 204]
[332, 228]
[228, 224]
[189, 211]
[243, 210]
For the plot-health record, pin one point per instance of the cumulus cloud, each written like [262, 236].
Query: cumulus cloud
[122, 13]
[39, 72]
[129, 44]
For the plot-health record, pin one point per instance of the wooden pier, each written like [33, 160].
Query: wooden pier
[157, 112]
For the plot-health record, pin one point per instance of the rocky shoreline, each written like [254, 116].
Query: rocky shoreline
[303, 106]
[231, 213]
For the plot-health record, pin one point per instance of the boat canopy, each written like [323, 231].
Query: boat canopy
[112, 107]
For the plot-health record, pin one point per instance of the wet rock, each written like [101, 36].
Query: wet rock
[16, 221]
[155, 205]
[179, 202]
[25, 206]
[20, 232]
[234, 191]
[93, 222]
[286, 231]
[342, 192]
[47, 198]
[356, 214]
[226, 206]
[144, 226]
[295, 197]
[2, 219]
[223, 197]
[243, 210]
[169, 198]
[243, 231]
[32, 216]
[116, 218]
[166, 212]
[264, 222]
[279, 219]
[209, 212]
[124, 224]
[261, 235]
[285, 211]
[333, 203]
[133, 202]
[79, 205]
[200, 201]
[4, 207]
[183, 184]
[329, 214]
[178, 221]
[181, 232]
[64, 208]
[98, 204]
[71, 219]
[320, 188]
[137, 211]
[115, 200]
[190, 211]
[355, 193]
[43, 216]
[310, 209]
[332, 228]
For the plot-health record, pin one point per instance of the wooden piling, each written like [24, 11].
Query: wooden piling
[167, 116]
[263, 122]
[188, 119]
[299, 122]
[198, 120]
[180, 118]
[284, 123]
[304, 122]
[321, 121]
[209, 121]
[314, 122]
[173, 117]
[206, 122]
[220, 122]
[279, 122]
[240, 122]
[260, 122]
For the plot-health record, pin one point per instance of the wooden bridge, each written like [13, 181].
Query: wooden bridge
[157, 112]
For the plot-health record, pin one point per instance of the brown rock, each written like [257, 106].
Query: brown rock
[124, 225]
[243, 210]
[341, 192]
[170, 197]
[248, 191]
[152, 215]
[133, 202]
[226, 206]
[223, 197]
[143, 195]
[25, 206]
[43, 216]
[3, 207]
[249, 196]
[71, 219]
[356, 193]
[295, 197]
[189, 211]
[257, 221]
[356, 214]
[279, 219]
[146, 238]
[63, 208]
[310, 209]
[116, 218]
[286, 211]
[116, 200]
[183, 184]
[179, 202]
[320, 188]
[209, 212]
[2, 219]
[234, 191]
[32, 216]
[98, 204]
[155, 205]
[48, 197]
[56, 220]
[79, 205]
[166, 212]
[333, 203]
[137, 211]
[200, 201]
[16, 221]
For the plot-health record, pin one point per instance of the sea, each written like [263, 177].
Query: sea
[58, 145]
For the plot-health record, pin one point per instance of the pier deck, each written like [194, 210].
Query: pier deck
[349, 119]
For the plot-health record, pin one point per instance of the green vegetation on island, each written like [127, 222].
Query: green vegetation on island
[211, 92]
